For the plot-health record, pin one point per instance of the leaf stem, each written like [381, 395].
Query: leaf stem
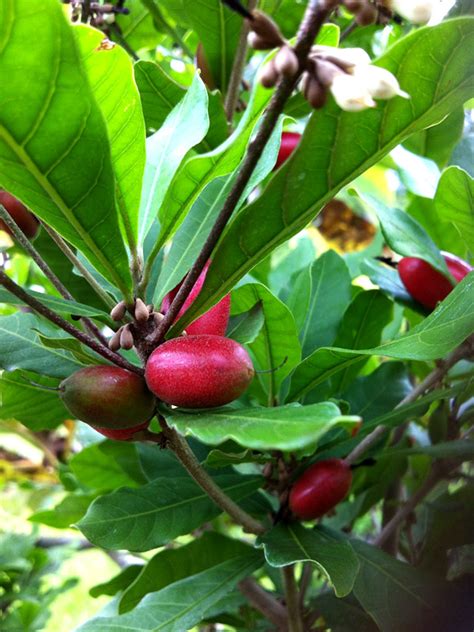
[238, 67]
[262, 601]
[295, 623]
[313, 20]
[105, 352]
[187, 458]
[22, 239]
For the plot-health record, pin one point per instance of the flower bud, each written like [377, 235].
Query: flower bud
[353, 5]
[345, 56]
[351, 94]
[141, 311]
[257, 42]
[118, 311]
[286, 62]
[266, 28]
[416, 11]
[157, 318]
[114, 342]
[326, 72]
[126, 338]
[367, 15]
[315, 93]
[269, 75]
[380, 83]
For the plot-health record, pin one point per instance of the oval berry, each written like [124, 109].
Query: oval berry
[425, 284]
[213, 322]
[26, 221]
[121, 434]
[199, 371]
[289, 142]
[108, 397]
[321, 487]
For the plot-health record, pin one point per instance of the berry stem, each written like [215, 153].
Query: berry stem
[295, 623]
[314, 18]
[32, 302]
[187, 458]
[262, 601]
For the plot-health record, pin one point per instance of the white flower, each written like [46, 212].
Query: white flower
[416, 11]
[351, 94]
[350, 56]
[380, 83]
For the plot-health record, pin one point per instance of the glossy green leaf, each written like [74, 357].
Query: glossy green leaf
[388, 280]
[64, 514]
[276, 348]
[24, 401]
[329, 552]
[183, 128]
[338, 146]
[454, 202]
[22, 348]
[41, 149]
[281, 428]
[437, 142]
[138, 27]
[445, 328]
[245, 327]
[145, 518]
[343, 615]
[110, 74]
[118, 583]
[406, 236]
[181, 605]
[72, 345]
[170, 566]
[221, 458]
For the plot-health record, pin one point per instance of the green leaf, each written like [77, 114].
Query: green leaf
[118, 583]
[276, 348]
[159, 93]
[454, 202]
[72, 345]
[43, 145]
[343, 615]
[361, 326]
[406, 236]
[388, 280]
[284, 428]
[331, 553]
[184, 127]
[170, 566]
[145, 518]
[36, 408]
[245, 327]
[322, 164]
[138, 27]
[69, 510]
[221, 458]
[22, 349]
[438, 334]
[329, 297]
[183, 604]
[462, 449]
[110, 74]
[396, 595]
[437, 142]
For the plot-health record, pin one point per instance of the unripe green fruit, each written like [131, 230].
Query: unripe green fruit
[107, 397]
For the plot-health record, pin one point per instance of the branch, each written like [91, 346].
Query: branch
[465, 350]
[22, 239]
[313, 20]
[295, 623]
[193, 467]
[238, 67]
[26, 298]
[262, 601]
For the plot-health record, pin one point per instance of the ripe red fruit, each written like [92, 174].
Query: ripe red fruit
[425, 284]
[289, 141]
[121, 434]
[213, 322]
[22, 216]
[108, 397]
[199, 371]
[321, 487]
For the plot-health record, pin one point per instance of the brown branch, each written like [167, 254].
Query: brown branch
[262, 601]
[314, 18]
[32, 302]
[237, 69]
[295, 622]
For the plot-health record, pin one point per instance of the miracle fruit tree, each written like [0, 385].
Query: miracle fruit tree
[266, 390]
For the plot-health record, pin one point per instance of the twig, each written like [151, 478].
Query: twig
[202, 478]
[313, 20]
[262, 601]
[18, 291]
[390, 506]
[237, 69]
[69, 253]
[305, 581]
[23, 240]
[295, 623]
[34, 439]
[465, 350]
[159, 19]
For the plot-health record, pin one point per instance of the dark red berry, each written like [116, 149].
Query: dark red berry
[425, 284]
[321, 487]
[26, 221]
[121, 434]
[199, 371]
[289, 141]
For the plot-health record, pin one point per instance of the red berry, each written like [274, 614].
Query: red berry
[289, 141]
[121, 434]
[425, 284]
[26, 221]
[199, 371]
[108, 397]
[320, 488]
[214, 321]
